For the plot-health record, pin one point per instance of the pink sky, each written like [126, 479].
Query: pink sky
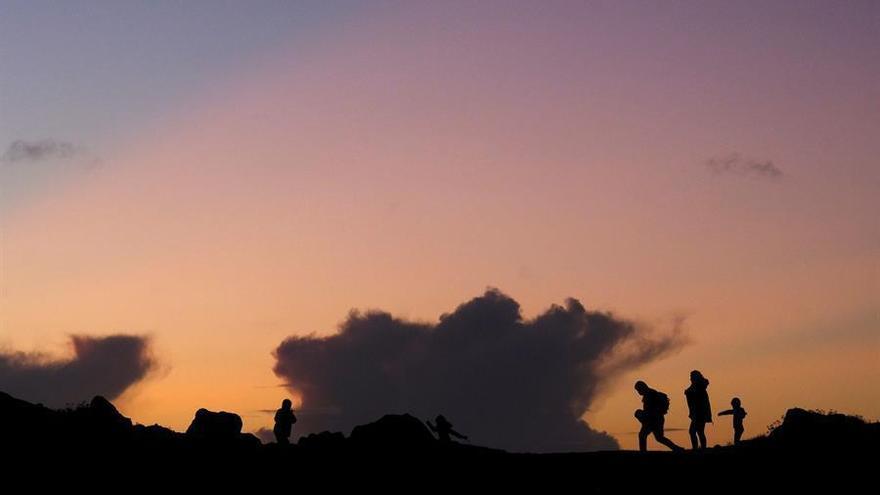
[409, 160]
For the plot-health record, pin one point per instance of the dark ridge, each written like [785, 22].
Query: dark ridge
[807, 451]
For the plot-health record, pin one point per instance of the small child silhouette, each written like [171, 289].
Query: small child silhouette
[444, 430]
[738, 414]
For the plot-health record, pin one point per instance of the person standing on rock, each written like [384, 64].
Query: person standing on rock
[699, 409]
[284, 420]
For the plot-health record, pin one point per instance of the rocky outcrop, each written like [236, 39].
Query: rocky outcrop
[325, 441]
[217, 426]
[393, 432]
[813, 430]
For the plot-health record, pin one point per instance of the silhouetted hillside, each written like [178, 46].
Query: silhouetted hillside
[806, 451]
[812, 430]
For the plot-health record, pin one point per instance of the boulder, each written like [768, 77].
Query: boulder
[249, 440]
[21, 421]
[215, 426]
[815, 430]
[324, 441]
[103, 414]
[397, 432]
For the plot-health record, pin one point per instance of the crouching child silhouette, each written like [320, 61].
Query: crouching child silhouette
[444, 430]
[655, 405]
[738, 414]
[284, 420]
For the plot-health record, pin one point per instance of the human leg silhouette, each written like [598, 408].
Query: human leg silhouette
[643, 438]
[658, 435]
[697, 432]
[281, 438]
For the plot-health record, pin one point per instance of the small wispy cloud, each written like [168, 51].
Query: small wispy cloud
[23, 151]
[736, 164]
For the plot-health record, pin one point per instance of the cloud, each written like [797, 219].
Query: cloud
[43, 150]
[507, 382]
[100, 366]
[735, 164]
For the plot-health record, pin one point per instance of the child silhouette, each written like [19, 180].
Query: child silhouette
[444, 430]
[738, 414]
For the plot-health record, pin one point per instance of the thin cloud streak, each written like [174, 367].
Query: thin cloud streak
[736, 164]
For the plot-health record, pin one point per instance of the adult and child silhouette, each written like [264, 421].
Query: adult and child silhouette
[655, 405]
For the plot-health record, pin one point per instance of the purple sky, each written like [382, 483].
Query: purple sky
[222, 175]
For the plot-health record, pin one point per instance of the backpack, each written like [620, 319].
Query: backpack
[662, 403]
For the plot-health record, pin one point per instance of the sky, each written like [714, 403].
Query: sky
[225, 180]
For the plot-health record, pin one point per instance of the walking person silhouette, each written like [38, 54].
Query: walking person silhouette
[655, 405]
[699, 409]
[284, 420]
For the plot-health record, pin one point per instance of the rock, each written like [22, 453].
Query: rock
[157, 435]
[324, 441]
[813, 430]
[249, 440]
[215, 426]
[393, 432]
[21, 421]
[104, 414]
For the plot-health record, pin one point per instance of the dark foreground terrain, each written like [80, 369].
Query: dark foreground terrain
[96, 449]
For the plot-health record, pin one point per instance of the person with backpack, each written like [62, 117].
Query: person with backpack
[284, 420]
[699, 409]
[655, 405]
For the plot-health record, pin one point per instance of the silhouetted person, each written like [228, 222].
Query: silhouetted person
[699, 409]
[444, 430]
[655, 405]
[738, 414]
[284, 420]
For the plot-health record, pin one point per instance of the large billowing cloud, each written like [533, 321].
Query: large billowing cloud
[507, 382]
[100, 366]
